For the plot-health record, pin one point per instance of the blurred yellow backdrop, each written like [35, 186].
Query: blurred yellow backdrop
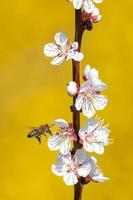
[33, 92]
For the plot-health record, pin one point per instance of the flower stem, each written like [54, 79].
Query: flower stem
[76, 78]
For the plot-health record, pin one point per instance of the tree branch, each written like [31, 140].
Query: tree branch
[76, 78]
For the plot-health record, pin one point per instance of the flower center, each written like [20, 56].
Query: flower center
[88, 138]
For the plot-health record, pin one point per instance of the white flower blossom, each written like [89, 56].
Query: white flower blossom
[94, 136]
[95, 173]
[72, 167]
[89, 96]
[72, 88]
[62, 50]
[62, 139]
[85, 4]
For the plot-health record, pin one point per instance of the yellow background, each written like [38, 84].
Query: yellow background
[33, 92]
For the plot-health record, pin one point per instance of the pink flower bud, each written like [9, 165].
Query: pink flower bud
[72, 88]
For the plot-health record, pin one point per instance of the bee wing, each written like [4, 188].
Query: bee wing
[31, 127]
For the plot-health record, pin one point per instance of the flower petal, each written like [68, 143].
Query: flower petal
[77, 3]
[88, 147]
[84, 169]
[98, 1]
[79, 102]
[70, 178]
[75, 45]
[50, 50]
[57, 168]
[54, 142]
[77, 56]
[98, 148]
[80, 156]
[90, 73]
[61, 123]
[65, 146]
[87, 108]
[61, 39]
[58, 60]
[99, 102]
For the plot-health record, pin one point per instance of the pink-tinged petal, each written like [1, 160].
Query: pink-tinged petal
[79, 102]
[65, 147]
[54, 142]
[73, 137]
[58, 60]
[80, 156]
[61, 123]
[98, 148]
[100, 102]
[78, 3]
[50, 50]
[61, 39]
[70, 178]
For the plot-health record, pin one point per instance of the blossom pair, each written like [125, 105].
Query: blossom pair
[89, 98]
[72, 167]
[94, 135]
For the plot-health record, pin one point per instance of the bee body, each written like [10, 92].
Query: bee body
[37, 132]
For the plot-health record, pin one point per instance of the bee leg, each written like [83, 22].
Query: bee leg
[50, 132]
[38, 138]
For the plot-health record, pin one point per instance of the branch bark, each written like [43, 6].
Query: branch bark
[76, 78]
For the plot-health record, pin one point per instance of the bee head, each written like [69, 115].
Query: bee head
[29, 135]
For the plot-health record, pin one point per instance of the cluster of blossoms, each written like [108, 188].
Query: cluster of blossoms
[94, 135]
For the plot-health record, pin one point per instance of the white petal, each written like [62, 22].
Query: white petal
[75, 45]
[70, 179]
[87, 108]
[99, 86]
[100, 178]
[79, 102]
[88, 147]
[57, 168]
[58, 60]
[77, 3]
[98, 1]
[61, 123]
[85, 85]
[98, 148]
[61, 39]
[99, 102]
[80, 156]
[84, 169]
[90, 73]
[88, 6]
[50, 50]
[54, 142]
[77, 56]
[65, 147]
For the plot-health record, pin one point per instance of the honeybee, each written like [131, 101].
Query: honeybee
[38, 132]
